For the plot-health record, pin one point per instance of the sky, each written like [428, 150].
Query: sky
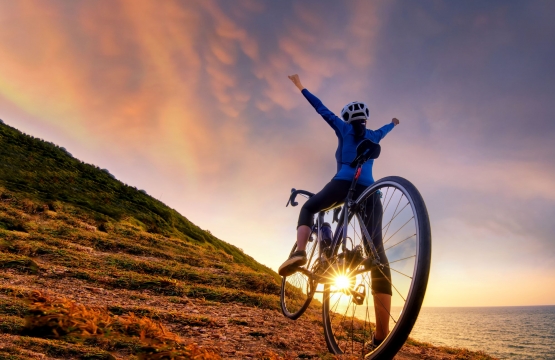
[190, 101]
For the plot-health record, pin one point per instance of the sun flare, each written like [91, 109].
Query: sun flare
[342, 282]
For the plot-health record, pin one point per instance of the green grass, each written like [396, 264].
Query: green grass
[18, 262]
[13, 307]
[11, 324]
[41, 177]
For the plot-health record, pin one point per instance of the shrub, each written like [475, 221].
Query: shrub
[63, 318]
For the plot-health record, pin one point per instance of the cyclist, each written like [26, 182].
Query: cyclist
[350, 131]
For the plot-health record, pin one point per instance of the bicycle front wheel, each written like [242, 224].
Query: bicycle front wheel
[354, 304]
[297, 290]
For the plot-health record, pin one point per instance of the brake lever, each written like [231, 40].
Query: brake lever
[291, 199]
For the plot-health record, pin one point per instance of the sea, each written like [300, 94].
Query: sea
[516, 332]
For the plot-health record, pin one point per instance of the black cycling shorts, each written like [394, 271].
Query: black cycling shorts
[333, 194]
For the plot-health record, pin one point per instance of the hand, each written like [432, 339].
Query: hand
[295, 79]
[395, 121]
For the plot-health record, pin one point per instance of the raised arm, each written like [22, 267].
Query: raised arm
[377, 135]
[295, 79]
[336, 123]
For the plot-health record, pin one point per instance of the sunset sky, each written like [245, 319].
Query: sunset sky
[190, 101]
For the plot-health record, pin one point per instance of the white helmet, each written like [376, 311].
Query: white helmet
[355, 110]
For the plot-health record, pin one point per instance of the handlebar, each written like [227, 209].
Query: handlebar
[294, 193]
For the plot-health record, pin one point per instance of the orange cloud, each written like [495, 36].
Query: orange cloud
[132, 72]
[226, 28]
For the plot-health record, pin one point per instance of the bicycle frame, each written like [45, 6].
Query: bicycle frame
[340, 234]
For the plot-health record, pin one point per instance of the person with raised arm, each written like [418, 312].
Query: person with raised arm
[350, 130]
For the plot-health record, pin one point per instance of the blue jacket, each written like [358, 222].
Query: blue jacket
[346, 148]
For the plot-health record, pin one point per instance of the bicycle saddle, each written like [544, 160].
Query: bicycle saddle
[366, 150]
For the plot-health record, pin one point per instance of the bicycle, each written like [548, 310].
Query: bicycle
[341, 271]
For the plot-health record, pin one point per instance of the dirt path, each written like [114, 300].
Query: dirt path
[233, 330]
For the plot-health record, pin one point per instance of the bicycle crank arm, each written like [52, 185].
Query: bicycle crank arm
[306, 272]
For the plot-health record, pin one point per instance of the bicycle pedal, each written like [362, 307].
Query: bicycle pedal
[359, 294]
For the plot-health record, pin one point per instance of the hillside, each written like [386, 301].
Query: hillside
[91, 268]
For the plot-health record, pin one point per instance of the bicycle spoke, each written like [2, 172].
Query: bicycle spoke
[408, 257]
[394, 212]
[311, 254]
[393, 218]
[397, 271]
[343, 318]
[334, 305]
[401, 240]
[393, 286]
[388, 312]
[353, 328]
[399, 230]
[367, 317]
[354, 227]
[385, 209]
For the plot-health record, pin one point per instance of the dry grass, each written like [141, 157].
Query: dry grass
[64, 319]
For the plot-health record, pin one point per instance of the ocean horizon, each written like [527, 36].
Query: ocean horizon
[505, 332]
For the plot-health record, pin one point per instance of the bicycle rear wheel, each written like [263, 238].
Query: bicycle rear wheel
[350, 321]
[298, 289]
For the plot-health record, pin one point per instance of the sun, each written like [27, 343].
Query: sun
[342, 282]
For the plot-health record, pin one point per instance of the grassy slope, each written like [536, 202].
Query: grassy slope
[69, 230]
[47, 174]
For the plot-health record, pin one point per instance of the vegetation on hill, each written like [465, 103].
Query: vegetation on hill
[34, 169]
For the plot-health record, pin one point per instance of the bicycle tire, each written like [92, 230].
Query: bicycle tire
[341, 339]
[297, 290]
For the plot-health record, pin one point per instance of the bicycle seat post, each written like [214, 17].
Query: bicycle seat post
[349, 199]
